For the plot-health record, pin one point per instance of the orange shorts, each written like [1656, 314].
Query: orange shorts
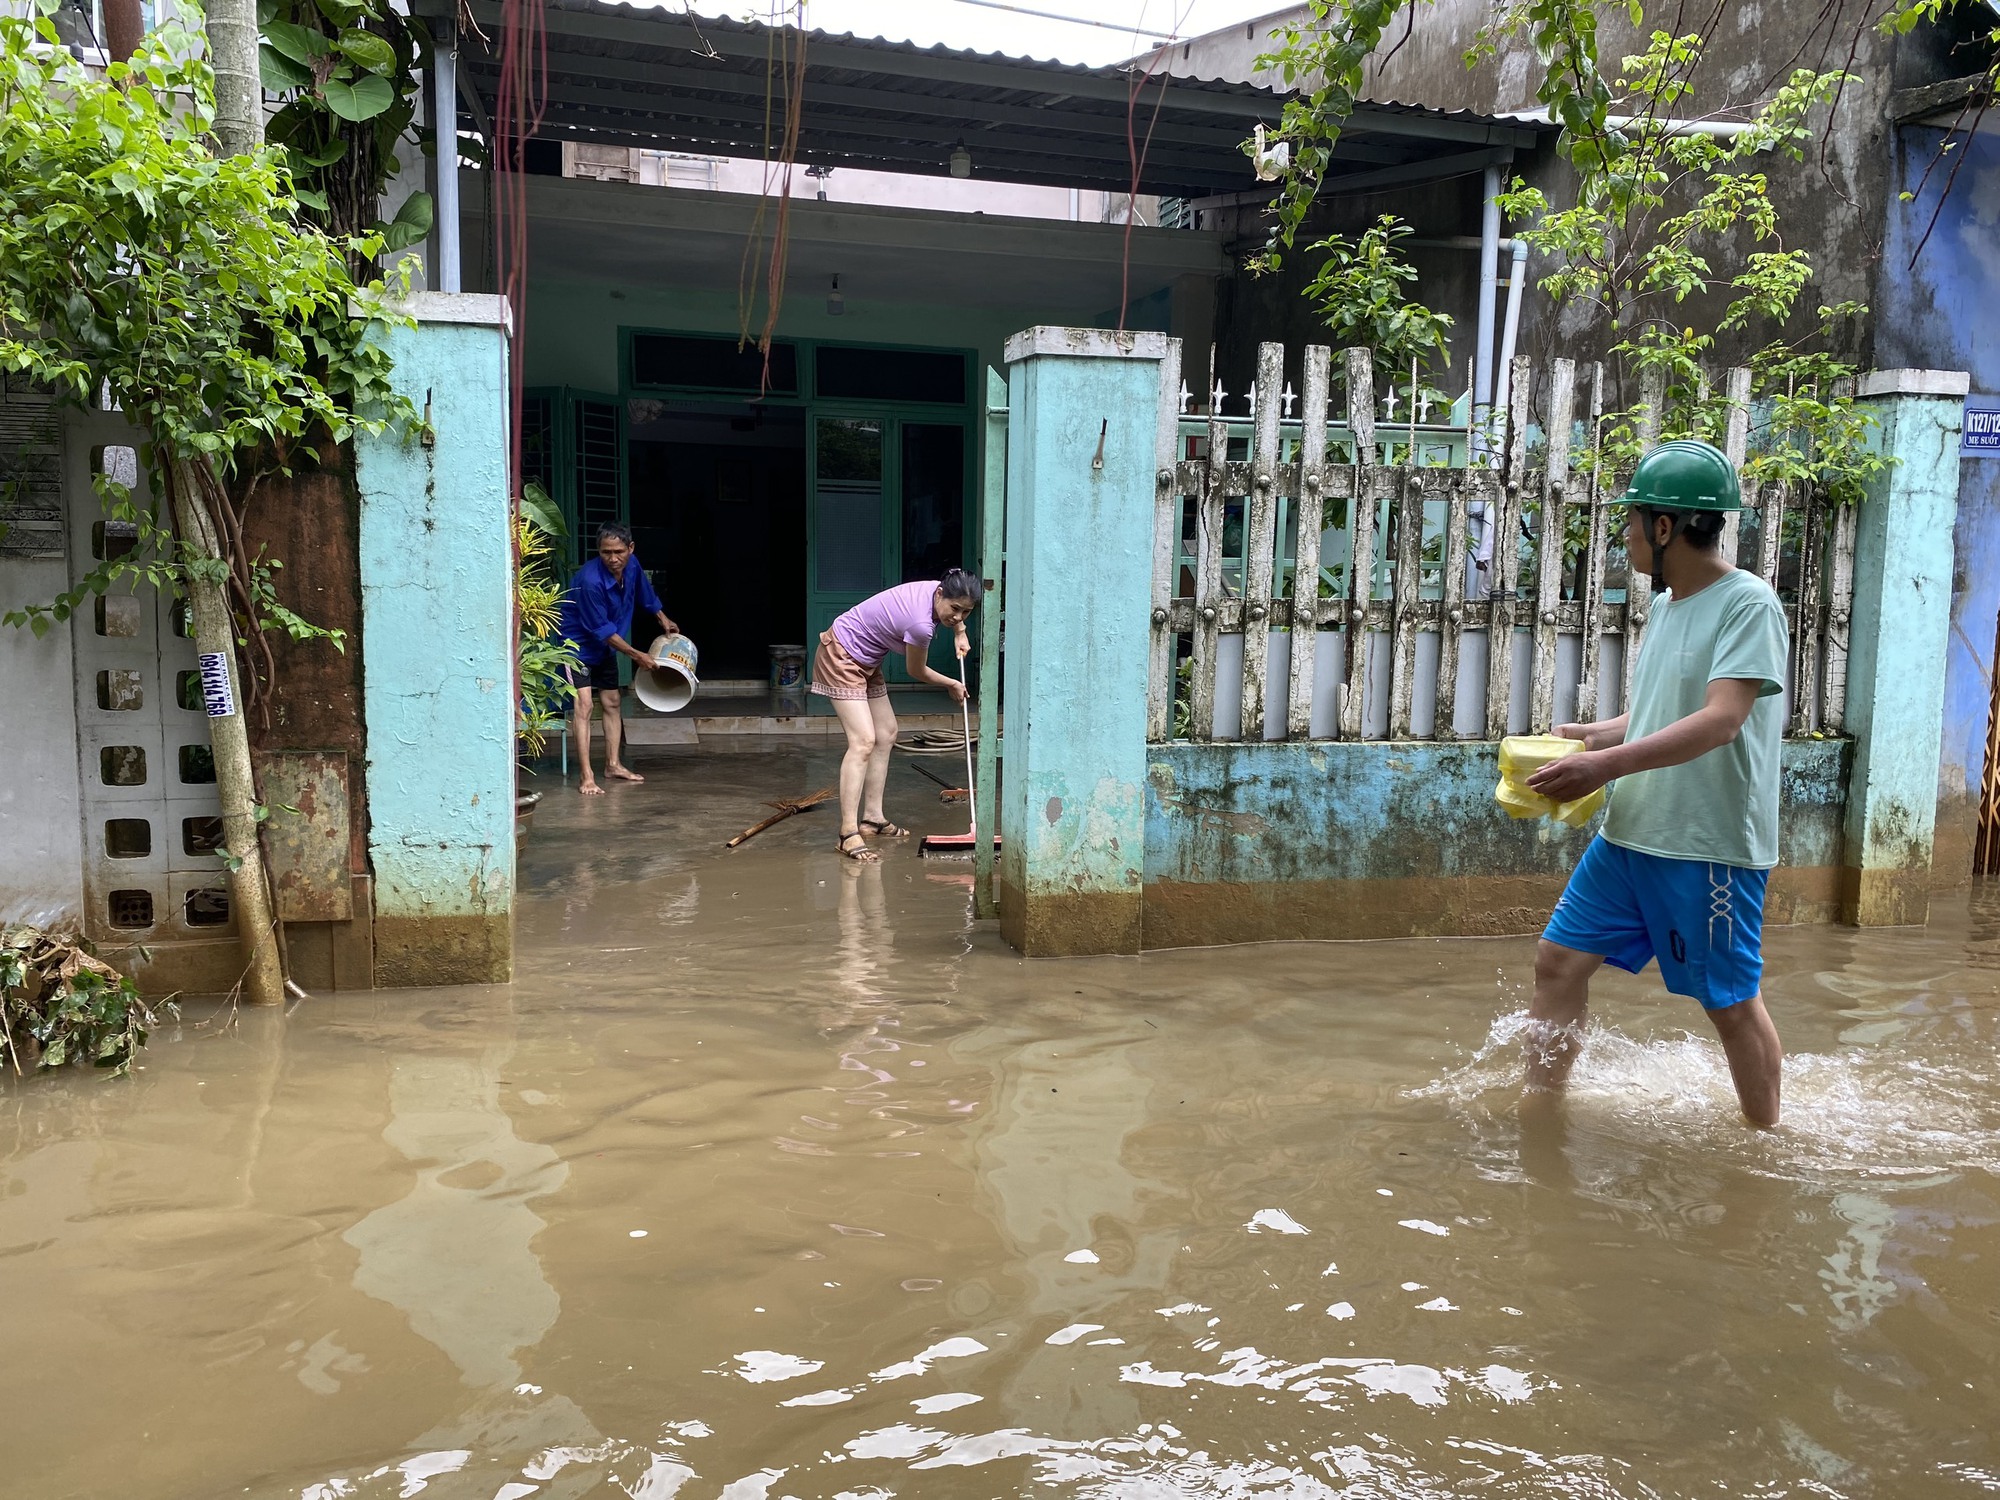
[838, 675]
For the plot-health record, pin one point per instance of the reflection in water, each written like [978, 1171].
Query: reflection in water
[773, 1177]
[456, 1254]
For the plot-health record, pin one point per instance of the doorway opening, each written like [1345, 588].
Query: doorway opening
[717, 506]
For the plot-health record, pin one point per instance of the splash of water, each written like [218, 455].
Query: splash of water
[1866, 1112]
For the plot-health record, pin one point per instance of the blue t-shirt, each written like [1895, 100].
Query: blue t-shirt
[598, 606]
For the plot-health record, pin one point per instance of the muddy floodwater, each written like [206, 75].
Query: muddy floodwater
[775, 1175]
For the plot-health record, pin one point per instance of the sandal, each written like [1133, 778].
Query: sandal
[884, 829]
[861, 854]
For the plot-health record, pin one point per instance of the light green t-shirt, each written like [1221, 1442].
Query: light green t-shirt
[1722, 806]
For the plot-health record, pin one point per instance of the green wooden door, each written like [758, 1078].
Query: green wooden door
[887, 506]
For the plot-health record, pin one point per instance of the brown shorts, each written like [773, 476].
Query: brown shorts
[838, 675]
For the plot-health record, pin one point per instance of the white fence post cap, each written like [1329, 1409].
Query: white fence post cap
[1085, 343]
[1914, 383]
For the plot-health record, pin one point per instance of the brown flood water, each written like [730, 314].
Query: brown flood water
[776, 1176]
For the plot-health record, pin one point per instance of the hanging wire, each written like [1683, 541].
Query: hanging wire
[784, 68]
[519, 106]
[1136, 149]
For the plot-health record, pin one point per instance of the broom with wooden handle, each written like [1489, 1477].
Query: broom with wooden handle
[961, 843]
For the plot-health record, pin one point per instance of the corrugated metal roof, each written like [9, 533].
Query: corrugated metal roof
[624, 74]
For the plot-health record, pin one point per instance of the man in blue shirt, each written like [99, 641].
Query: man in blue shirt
[596, 613]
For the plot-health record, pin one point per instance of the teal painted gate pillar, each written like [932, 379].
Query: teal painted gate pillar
[437, 622]
[1081, 425]
[1896, 654]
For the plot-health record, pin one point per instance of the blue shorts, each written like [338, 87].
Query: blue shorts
[1704, 922]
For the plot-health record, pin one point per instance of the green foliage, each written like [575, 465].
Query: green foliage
[134, 262]
[347, 73]
[1322, 54]
[1658, 217]
[1904, 16]
[1654, 204]
[60, 1003]
[1360, 291]
[538, 590]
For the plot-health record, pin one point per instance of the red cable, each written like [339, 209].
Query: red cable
[520, 103]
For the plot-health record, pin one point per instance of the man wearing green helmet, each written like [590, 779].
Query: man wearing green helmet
[1678, 871]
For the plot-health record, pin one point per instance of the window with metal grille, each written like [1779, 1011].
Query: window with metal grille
[599, 464]
[538, 443]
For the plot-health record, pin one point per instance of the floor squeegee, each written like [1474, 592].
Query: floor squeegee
[967, 842]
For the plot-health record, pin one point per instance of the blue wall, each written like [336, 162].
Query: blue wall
[1940, 314]
[437, 621]
[1080, 443]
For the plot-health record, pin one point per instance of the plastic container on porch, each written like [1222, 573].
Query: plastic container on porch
[788, 669]
[670, 686]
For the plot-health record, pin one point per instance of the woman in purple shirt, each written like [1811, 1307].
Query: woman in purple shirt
[848, 669]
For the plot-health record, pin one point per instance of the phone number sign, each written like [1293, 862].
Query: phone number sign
[1980, 437]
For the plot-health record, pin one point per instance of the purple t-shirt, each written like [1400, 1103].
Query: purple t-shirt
[888, 622]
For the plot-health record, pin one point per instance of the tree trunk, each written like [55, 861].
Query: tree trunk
[239, 88]
[215, 638]
[124, 28]
[239, 129]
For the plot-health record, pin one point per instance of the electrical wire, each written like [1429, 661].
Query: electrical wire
[1049, 15]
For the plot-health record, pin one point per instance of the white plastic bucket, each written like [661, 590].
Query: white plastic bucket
[670, 686]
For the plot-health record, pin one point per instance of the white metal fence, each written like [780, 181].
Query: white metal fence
[1316, 579]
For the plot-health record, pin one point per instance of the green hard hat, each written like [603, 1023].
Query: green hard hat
[1685, 475]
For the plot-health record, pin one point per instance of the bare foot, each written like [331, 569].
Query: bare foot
[591, 789]
[619, 773]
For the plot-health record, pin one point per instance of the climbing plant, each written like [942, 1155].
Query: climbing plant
[346, 72]
[1669, 241]
[136, 265]
[1663, 216]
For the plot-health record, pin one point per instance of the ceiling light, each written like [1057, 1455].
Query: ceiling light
[961, 161]
[835, 303]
